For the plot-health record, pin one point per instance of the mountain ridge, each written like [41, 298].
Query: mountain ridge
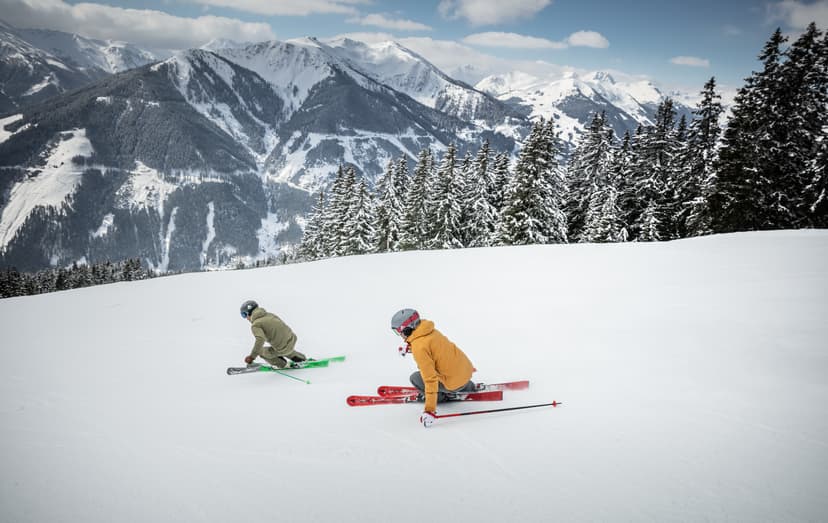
[257, 126]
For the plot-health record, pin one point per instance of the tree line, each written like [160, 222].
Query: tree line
[14, 283]
[668, 180]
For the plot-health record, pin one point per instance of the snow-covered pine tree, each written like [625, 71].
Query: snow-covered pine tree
[334, 213]
[480, 187]
[739, 201]
[651, 223]
[389, 209]
[444, 213]
[414, 226]
[693, 191]
[628, 168]
[803, 104]
[313, 242]
[604, 222]
[532, 210]
[501, 175]
[360, 235]
[401, 180]
[465, 173]
[653, 171]
[588, 173]
[816, 192]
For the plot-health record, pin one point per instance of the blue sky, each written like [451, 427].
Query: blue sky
[677, 44]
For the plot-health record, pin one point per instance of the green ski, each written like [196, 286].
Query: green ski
[308, 364]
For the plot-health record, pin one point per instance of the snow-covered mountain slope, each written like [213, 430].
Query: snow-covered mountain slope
[206, 117]
[37, 64]
[693, 376]
[572, 100]
[407, 72]
[170, 185]
[30, 75]
[234, 98]
[87, 53]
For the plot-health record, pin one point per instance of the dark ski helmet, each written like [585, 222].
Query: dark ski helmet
[247, 308]
[404, 321]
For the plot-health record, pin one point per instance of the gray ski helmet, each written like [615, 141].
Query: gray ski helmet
[247, 308]
[404, 321]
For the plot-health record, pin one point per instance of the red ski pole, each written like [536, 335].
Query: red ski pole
[553, 404]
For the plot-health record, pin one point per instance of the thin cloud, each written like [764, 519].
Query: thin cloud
[288, 7]
[380, 20]
[691, 61]
[517, 41]
[142, 27]
[588, 39]
[798, 15]
[488, 12]
[511, 40]
[732, 30]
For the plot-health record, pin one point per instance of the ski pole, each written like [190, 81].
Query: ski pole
[553, 404]
[289, 376]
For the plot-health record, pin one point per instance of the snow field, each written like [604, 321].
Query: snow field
[693, 374]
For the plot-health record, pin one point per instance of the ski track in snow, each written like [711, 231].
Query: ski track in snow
[693, 376]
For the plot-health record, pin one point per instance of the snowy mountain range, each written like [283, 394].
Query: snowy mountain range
[212, 154]
[571, 100]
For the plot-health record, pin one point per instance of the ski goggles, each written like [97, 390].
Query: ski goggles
[412, 319]
[244, 314]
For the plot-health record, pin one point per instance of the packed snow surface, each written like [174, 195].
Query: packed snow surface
[693, 376]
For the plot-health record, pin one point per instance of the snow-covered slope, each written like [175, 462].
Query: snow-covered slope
[57, 179]
[37, 64]
[694, 376]
[407, 72]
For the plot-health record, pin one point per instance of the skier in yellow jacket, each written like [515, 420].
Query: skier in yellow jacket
[443, 367]
[268, 327]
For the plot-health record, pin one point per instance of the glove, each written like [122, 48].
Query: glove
[427, 418]
[249, 359]
[406, 349]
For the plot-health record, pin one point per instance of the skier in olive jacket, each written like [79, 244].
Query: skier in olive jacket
[268, 327]
[443, 367]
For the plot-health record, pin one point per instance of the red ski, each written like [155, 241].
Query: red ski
[386, 390]
[388, 399]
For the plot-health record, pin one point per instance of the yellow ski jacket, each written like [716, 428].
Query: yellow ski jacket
[439, 361]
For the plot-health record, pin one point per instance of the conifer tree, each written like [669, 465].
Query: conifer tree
[414, 226]
[389, 209]
[652, 172]
[651, 223]
[693, 192]
[740, 199]
[816, 192]
[500, 175]
[336, 212]
[482, 189]
[803, 102]
[588, 173]
[604, 223]
[360, 235]
[532, 211]
[313, 242]
[444, 204]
